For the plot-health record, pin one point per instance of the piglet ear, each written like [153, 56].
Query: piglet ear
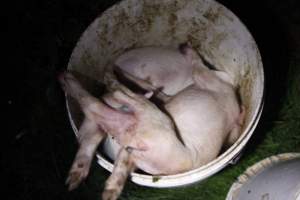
[191, 55]
[185, 48]
[188, 52]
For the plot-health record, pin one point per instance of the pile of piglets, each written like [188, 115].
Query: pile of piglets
[198, 114]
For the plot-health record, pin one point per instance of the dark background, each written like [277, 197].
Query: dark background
[39, 145]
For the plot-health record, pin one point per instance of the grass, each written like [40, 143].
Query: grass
[40, 145]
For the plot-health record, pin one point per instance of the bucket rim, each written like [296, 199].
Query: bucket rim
[257, 168]
[205, 171]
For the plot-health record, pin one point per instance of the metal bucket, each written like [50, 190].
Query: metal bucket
[276, 178]
[214, 31]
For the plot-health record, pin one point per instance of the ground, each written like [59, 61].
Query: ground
[39, 145]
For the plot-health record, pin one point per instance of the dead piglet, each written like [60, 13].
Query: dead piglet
[152, 129]
[136, 124]
[168, 70]
[206, 114]
[202, 102]
[90, 133]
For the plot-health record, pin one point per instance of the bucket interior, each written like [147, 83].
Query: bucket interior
[215, 32]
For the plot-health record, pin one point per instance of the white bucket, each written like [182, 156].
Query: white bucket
[215, 32]
[276, 178]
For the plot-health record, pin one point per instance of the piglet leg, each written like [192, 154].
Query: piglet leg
[98, 117]
[73, 88]
[236, 130]
[89, 134]
[89, 137]
[123, 166]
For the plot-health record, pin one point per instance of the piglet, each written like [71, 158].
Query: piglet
[188, 88]
[205, 110]
[163, 70]
[207, 115]
[146, 135]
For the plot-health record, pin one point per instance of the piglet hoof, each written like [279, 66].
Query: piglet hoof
[110, 194]
[184, 48]
[78, 172]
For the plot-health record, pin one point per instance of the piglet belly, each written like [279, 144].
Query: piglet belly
[201, 122]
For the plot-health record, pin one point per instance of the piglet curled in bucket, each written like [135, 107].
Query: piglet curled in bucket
[200, 114]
